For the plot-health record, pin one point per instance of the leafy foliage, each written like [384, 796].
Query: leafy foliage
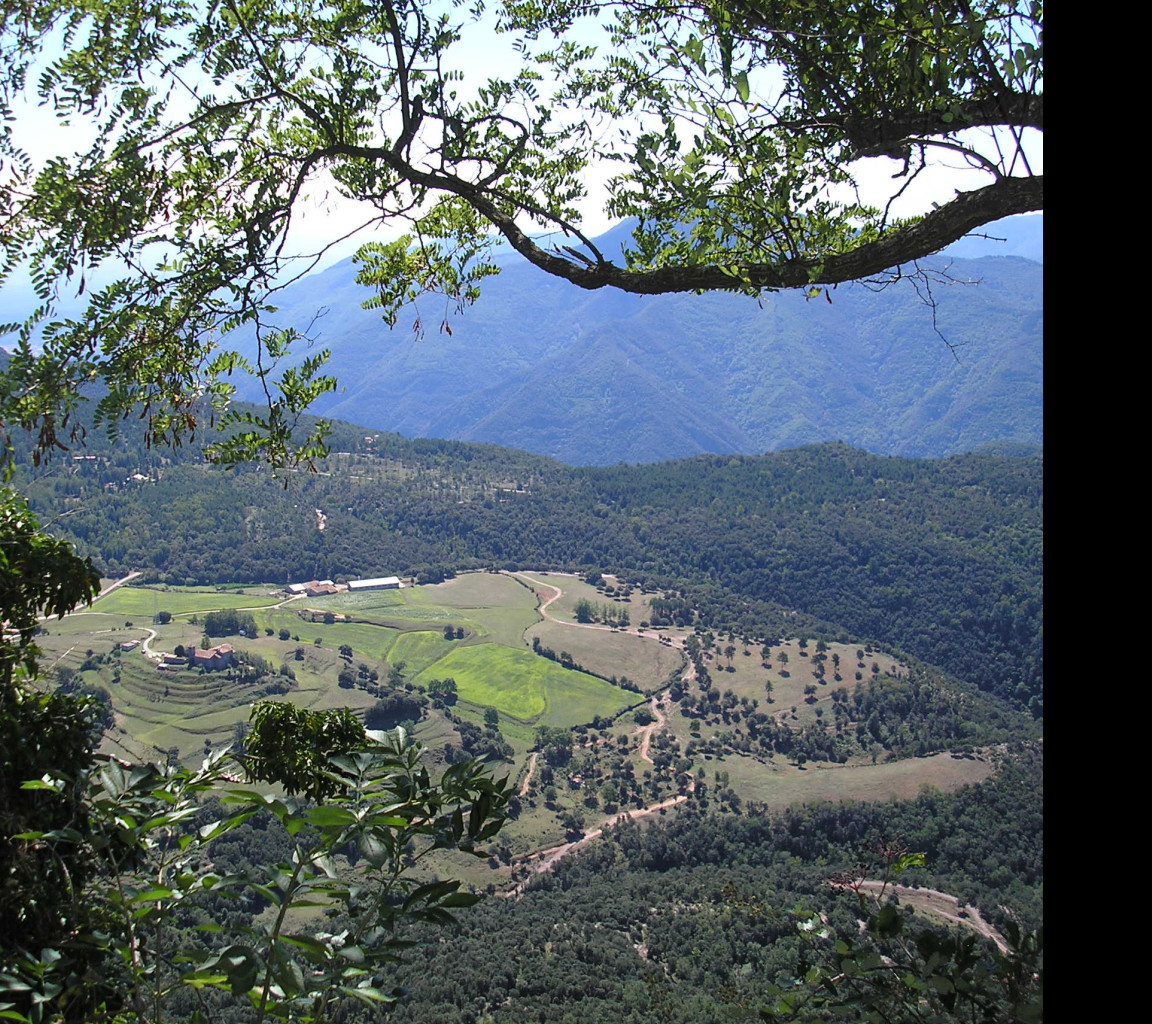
[140, 828]
[736, 130]
[39, 575]
[896, 974]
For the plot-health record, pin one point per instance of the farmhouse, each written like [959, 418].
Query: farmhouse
[380, 583]
[315, 588]
[212, 658]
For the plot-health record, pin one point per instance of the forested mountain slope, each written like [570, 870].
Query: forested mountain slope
[600, 377]
[942, 558]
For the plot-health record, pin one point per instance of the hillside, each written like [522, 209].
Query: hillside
[940, 558]
[602, 377]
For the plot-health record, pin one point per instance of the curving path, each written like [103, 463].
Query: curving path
[659, 702]
[117, 583]
[544, 860]
[531, 771]
[646, 731]
[542, 607]
[943, 905]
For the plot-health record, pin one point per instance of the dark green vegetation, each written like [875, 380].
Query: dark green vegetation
[942, 559]
[599, 377]
[689, 915]
[686, 919]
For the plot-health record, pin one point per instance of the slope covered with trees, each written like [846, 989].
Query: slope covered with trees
[739, 137]
[599, 377]
[941, 558]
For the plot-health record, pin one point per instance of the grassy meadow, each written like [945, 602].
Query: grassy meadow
[494, 667]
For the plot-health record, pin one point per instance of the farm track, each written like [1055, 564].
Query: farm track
[531, 771]
[546, 859]
[645, 731]
[941, 904]
[117, 583]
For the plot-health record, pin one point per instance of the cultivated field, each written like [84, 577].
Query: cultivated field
[396, 638]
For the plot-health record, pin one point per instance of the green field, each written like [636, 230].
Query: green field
[494, 667]
[781, 786]
[145, 602]
[525, 686]
[419, 650]
[644, 660]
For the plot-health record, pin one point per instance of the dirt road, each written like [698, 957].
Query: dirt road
[531, 771]
[941, 904]
[545, 860]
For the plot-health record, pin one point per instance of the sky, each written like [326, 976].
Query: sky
[324, 215]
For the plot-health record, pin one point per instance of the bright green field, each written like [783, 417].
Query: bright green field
[525, 686]
[419, 650]
[146, 601]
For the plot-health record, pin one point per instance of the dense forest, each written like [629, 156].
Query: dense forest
[687, 919]
[692, 916]
[940, 558]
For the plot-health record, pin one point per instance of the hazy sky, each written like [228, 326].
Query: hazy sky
[482, 53]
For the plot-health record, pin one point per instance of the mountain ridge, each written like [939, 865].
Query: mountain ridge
[602, 377]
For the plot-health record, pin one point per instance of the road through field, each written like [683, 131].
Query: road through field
[541, 861]
[659, 702]
[545, 860]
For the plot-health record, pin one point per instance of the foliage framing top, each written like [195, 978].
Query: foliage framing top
[737, 132]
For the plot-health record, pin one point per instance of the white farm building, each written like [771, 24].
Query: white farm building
[380, 583]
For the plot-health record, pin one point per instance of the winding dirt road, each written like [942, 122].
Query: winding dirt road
[544, 860]
[531, 771]
[660, 702]
[116, 583]
[941, 904]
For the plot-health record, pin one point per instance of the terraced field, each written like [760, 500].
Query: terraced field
[395, 641]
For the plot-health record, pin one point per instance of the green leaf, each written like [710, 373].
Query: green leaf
[329, 815]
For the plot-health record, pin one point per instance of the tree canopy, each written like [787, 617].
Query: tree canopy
[738, 136]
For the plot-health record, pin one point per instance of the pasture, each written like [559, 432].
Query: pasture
[145, 602]
[494, 667]
[644, 660]
[779, 786]
[520, 684]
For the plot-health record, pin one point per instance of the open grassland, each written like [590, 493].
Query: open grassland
[644, 660]
[524, 686]
[475, 590]
[145, 602]
[366, 601]
[420, 649]
[489, 607]
[779, 786]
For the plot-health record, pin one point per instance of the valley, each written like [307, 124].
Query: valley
[668, 714]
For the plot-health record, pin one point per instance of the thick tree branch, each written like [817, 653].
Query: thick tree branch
[943, 226]
[948, 223]
[877, 135]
